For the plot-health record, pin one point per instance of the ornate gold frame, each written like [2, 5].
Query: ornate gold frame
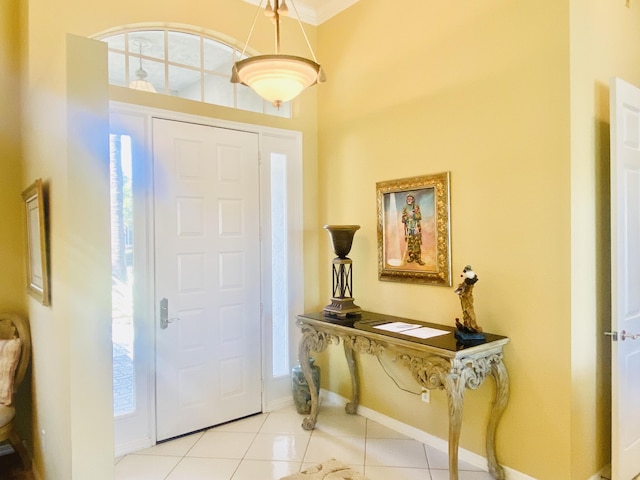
[432, 265]
[37, 261]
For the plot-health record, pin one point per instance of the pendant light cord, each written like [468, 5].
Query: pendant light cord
[295, 9]
[255, 19]
[253, 26]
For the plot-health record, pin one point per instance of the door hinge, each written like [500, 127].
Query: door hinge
[613, 335]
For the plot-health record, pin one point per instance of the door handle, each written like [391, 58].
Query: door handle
[164, 314]
[623, 335]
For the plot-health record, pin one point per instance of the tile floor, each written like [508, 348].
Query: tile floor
[272, 445]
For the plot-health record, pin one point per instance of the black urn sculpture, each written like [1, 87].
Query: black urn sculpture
[342, 304]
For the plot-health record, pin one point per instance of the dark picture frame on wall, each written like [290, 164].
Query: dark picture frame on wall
[414, 237]
[36, 234]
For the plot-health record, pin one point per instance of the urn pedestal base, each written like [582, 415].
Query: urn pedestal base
[342, 308]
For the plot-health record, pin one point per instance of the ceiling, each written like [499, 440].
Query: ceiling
[315, 12]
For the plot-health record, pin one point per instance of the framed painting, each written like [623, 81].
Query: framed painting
[37, 261]
[414, 238]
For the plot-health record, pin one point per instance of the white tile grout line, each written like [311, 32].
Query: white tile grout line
[467, 456]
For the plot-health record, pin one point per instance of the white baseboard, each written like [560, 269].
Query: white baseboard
[604, 474]
[132, 447]
[279, 403]
[467, 456]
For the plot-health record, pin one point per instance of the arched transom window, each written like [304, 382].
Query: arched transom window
[184, 65]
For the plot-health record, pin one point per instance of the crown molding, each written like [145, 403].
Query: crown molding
[316, 12]
[328, 9]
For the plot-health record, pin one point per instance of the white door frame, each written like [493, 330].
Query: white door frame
[271, 140]
[132, 431]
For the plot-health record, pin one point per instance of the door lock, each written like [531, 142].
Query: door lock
[164, 314]
[623, 335]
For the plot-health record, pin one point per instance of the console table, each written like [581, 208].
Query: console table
[435, 362]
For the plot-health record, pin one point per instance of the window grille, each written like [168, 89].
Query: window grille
[184, 65]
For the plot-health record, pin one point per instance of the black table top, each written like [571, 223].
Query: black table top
[368, 321]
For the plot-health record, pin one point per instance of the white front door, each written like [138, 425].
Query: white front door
[625, 278]
[207, 272]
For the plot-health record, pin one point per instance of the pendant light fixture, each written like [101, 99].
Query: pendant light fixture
[277, 78]
[141, 83]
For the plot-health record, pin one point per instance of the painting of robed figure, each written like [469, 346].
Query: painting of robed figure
[413, 230]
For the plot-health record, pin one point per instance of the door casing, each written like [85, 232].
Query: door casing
[276, 390]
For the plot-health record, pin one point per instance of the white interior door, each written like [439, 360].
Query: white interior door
[207, 261]
[625, 278]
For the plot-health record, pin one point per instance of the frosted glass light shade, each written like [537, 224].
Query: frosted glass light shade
[277, 78]
[142, 85]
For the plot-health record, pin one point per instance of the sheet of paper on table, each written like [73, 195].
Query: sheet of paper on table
[411, 329]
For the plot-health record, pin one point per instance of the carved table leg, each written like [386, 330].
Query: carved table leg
[501, 377]
[311, 340]
[454, 386]
[304, 350]
[352, 407]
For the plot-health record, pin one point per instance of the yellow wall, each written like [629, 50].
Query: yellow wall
[504, 95]
[482, 91]
[512, 99]
[605, 39]
[72, 389]
[12, 280]
[12, 252]
[72, 394]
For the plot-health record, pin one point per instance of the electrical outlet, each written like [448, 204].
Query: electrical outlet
[426, 395]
